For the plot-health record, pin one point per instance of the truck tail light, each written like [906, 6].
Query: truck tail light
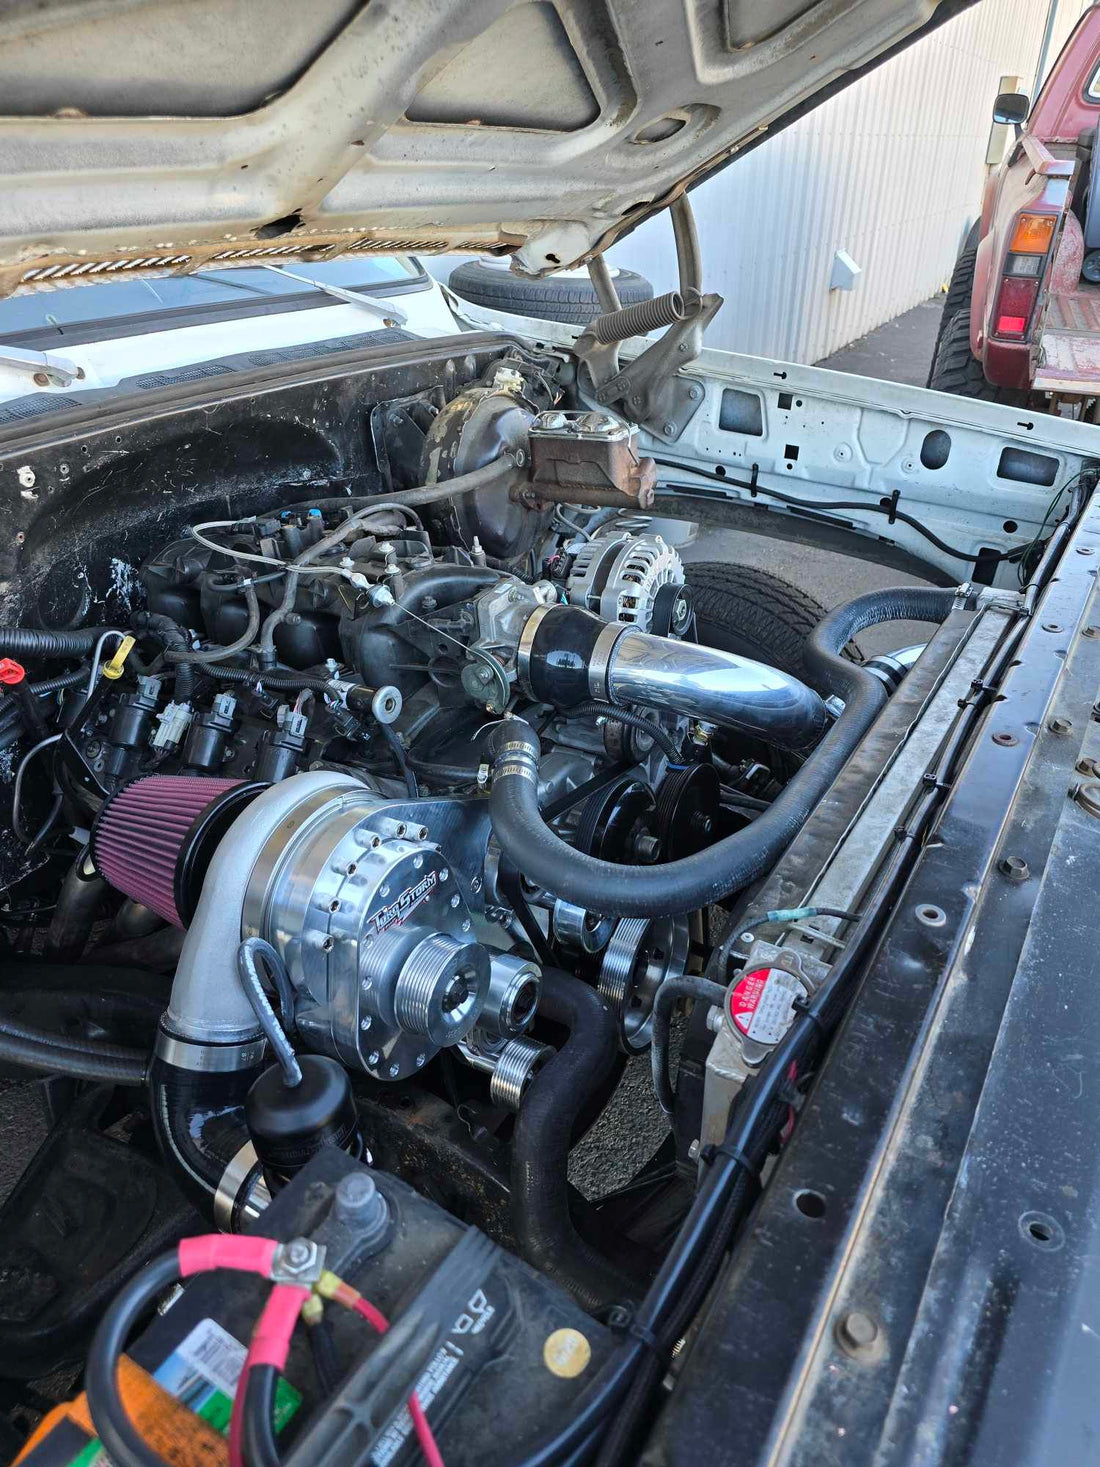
[1033, 234]
[1014, 306]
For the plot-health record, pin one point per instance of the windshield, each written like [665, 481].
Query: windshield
[70, 311]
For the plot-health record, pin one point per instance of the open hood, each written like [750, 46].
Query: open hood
[164, 135]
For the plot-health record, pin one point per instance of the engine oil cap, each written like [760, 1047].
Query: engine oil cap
[761, 1004]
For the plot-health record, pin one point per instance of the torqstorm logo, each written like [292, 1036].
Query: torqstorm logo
[405, 905]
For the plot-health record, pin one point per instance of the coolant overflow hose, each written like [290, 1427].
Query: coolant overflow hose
[739, 859]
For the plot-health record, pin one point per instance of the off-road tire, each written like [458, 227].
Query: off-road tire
[957, 370]
[959, 291]
[755, 614]
[553, 299]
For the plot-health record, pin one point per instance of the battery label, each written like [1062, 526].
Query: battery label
[203, 1371]
[443, 1364]
[214, 1354]
[201, 1374]
[761, 1004]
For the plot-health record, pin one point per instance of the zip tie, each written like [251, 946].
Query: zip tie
[711, 1153]
[623, 1319]
[801, 1006]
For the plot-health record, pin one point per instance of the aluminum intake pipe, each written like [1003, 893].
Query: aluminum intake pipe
[567, 656]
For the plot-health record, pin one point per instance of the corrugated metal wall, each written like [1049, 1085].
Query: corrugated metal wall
[891, 170]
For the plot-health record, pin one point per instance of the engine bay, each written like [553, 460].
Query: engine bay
[379, 800]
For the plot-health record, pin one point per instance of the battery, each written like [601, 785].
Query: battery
[496, 1353]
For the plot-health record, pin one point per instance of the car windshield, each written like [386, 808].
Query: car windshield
[153, 303]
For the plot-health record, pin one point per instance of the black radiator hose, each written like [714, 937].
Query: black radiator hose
[735, 862]
[31, 642]
[543, 1135]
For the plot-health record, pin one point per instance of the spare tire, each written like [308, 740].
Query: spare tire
[556, 298]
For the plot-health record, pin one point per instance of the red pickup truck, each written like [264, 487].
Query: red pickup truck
[1021, 321]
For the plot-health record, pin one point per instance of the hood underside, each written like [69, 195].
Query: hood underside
[162, 136]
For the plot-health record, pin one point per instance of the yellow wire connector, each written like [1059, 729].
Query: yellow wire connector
[313, 1310]
[113, 669]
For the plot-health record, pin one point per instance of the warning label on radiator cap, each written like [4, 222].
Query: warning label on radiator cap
[761, 1004]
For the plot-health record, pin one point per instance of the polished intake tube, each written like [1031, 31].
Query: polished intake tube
[567, 656]
[719, 687]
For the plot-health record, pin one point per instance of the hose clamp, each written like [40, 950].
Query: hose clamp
[242, 1192]
[209, 1059]
[526, 642]
[599, 663]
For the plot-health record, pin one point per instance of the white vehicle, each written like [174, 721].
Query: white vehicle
[386, 805]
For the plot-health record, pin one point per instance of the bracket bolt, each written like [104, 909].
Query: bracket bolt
[1060, 725]
[1015, 868]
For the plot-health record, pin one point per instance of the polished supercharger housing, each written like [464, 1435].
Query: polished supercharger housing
[375, 931]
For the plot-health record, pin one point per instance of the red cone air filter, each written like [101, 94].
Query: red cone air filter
[154, 839]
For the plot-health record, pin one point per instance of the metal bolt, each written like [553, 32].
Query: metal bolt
[669, 429]
[857, 1330]
[1086, 766]
[298, 1252]
[1059, 725]
[1091, 632]
[1015, 868]
[1087, 796]
[41, 380]
[693, 1150]
[695, 394]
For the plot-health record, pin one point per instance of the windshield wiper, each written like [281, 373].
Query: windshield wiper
[59, 371]
[385, 310]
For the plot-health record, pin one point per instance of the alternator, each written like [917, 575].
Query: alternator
[374, 931]
[619, 575]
